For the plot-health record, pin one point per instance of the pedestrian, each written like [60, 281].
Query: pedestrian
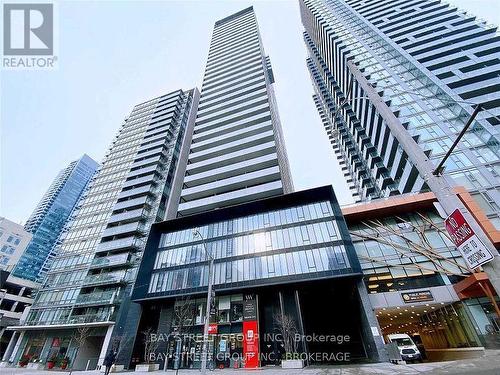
[109, 361]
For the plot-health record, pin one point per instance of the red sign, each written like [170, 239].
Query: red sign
[458, 228]
[251, 343]
[212, 329]
[473, 250]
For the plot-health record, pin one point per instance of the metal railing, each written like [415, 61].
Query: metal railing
[112, 260]
[107, 297]
[105, 278]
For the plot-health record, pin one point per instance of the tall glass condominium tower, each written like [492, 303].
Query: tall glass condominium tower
[91, 276]
[237, 152]
[47, 221]
[430, 64]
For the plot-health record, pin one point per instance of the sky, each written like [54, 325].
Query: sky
[115, 54]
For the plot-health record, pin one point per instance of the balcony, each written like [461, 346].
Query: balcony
[105, 279]
[150, 178]
[120, 244]
[142, 201]
[134, 227]
[100, 298]
[140, 171]
[75, 319]
[143, 190]
[132, 215]
[141, 163]
[118, 260]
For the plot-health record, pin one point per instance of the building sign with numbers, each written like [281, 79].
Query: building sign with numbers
[470, 246]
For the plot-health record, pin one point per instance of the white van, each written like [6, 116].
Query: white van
[406, 346]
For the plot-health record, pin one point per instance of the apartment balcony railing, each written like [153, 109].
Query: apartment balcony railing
[75, 319]
[134, 227]
[105, 279]
[111, 261]
[120, 244]
[132, 215]
[143, 190]
[144, 201]
[99, 298]
[151, 178]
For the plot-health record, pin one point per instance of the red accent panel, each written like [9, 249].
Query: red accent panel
[251, 343]
[212, 329]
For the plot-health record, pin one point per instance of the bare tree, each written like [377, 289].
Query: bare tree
[151, 343]
[408, 248]
[80, 337]
[184, 316]
[287, 328]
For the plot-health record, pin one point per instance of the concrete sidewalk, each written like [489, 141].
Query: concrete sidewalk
[487, 365]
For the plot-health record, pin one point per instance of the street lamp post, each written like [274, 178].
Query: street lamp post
[204, 352]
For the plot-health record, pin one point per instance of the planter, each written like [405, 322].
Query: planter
[50, 365]
[114, 368]
[64, 365]
[35, 366]
[148, 367]
[292, 363]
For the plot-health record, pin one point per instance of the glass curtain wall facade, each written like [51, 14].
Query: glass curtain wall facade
[90, 279]
[51, 215]
[431, 64]
[237, 152]
[291, 243]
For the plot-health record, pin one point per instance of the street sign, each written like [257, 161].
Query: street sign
[473, 250]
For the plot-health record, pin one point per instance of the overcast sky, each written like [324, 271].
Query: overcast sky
[115, 54]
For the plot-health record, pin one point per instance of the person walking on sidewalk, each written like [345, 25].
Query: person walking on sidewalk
[109, 361]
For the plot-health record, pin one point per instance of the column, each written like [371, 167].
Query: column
[372, 334]
[16, 347]
[105, 345]
[301, 324]
[10, 347]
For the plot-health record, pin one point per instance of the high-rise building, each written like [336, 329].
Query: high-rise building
[237, 152]
[89, 281]
[420, 66]
[47, 221]
[13, 241]
[275, 253]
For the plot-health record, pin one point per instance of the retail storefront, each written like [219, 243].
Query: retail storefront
[41, 348]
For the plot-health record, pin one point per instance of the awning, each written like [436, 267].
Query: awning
[475, 286]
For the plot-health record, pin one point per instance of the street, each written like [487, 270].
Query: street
[487, 365]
